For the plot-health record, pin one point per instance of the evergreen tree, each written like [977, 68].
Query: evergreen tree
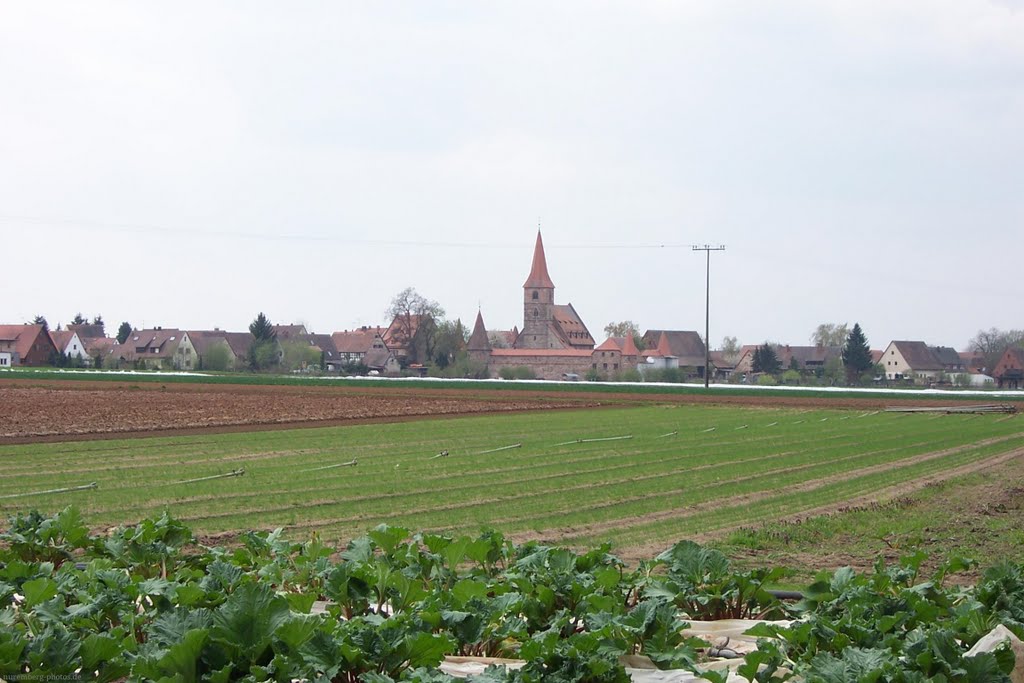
[123, 332]
[98, 320]
[41, 320]
[856, 354]
[765, 360]
[263, 349]
[79, 319]
[261, 329]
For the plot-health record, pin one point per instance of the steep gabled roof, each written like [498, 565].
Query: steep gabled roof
[377, 359]
[629, 346]
[61, 339]
[325, 343]
[917, 355]
[947, 357]
[610, 344]
[23, 336]
[357, 341]
[685, 345]
[570, 328]
[539, 278]
[479, 341]
[288, 331]
[164, 339]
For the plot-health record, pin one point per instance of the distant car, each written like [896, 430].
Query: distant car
[570, 377]
[373, 373]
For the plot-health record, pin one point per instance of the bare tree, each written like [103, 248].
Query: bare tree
[993, 342]
[415, 319]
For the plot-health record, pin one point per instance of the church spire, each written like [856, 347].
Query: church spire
[478, 341]
[539, 278]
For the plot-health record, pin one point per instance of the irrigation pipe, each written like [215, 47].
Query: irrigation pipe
[350, 463]
[233, 473]
[503, 448]
[442, 454]
[606, 438]
[93, 485]
[709, 429]
[741, 427]
[771, 424]
[667, 435]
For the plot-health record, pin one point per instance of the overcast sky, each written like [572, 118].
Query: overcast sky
[191, 164]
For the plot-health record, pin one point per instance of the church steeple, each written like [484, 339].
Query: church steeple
[539, 278]
[538, 305]
[478, 341]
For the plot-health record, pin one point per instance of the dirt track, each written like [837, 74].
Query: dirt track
[56, 410]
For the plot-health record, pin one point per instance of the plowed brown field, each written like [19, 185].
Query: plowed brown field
[57, 410]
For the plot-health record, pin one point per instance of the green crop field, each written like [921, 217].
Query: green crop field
[686, 471]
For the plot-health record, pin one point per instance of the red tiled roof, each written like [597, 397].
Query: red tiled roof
[629, 346]
[610, 344]
[569, 326]
[24, 337]
[61, 339]
[539, 277]
[396, 336]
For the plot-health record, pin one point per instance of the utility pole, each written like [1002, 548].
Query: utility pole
[707, 249]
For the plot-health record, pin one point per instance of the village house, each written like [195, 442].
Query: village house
[329, 357]
[354, 345]
[160, 349]
[907, 359]
[68, 344]
[235, 347]
[28, 345]
[668, 349]
[99, 348]
[1009, 371]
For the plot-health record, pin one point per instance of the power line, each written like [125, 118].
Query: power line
[303, 237]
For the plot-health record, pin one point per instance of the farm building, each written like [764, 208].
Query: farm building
[160, 348]
[1009, 371]
[25, 345]
[916, 360]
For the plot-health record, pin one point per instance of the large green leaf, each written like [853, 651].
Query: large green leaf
[38, 590]
[246, 622]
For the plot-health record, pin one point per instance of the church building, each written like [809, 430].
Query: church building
[554, 340]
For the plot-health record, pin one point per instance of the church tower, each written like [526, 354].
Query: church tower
[538, 305]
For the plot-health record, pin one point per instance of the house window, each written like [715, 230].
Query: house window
[536, 296]
[595, 366]
[615, 366]
[605, 365]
